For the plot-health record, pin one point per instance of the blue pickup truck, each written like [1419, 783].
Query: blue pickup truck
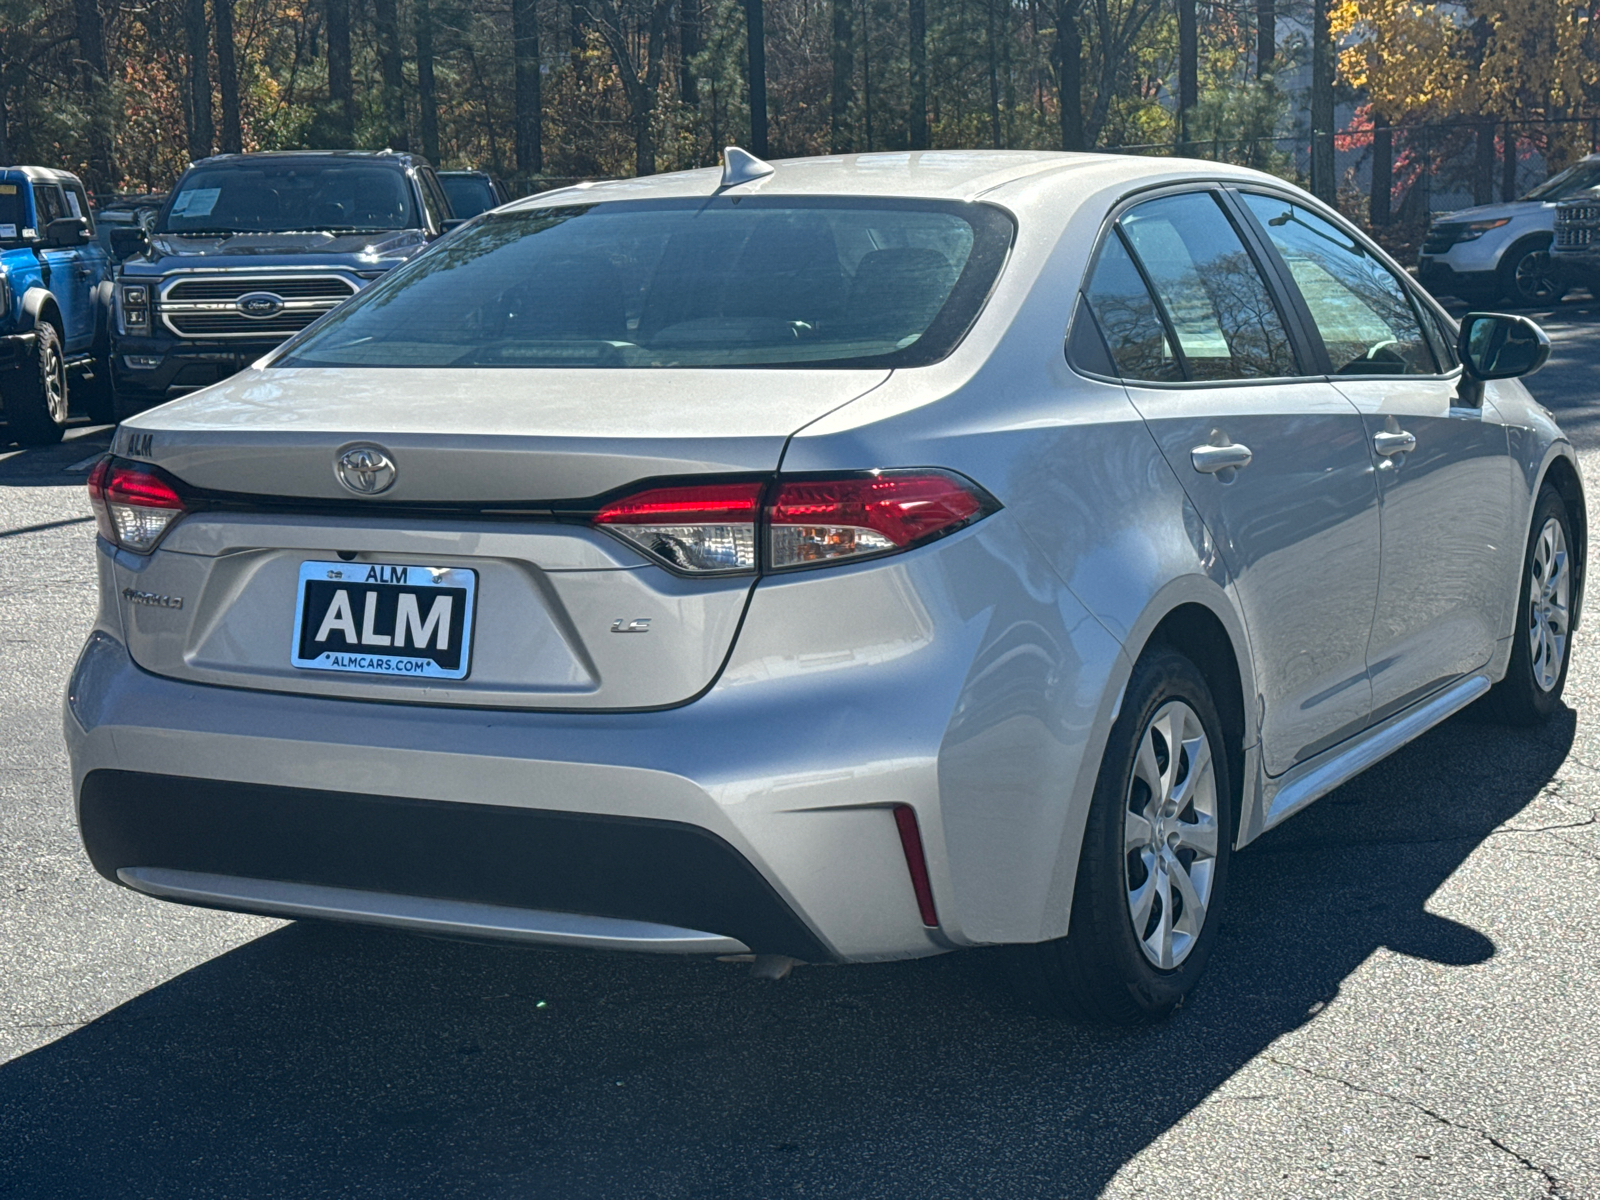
[55, 301]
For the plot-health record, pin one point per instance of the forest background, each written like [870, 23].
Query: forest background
[127, 92]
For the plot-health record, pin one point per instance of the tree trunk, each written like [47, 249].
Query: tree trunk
[90, 33]
[755, 29]
[1266, 36]
[918, 19]
[1323, 184]
[841, 140]
[640, 89]
[993, 40]
[1483, 165]
[341, 91]
[1508, 169]
[1188, 74]
[228, 78]
[197, 34]
[689, 16]
[1069, 73]
[427, 93]
[866, 74]
[5, 119]
[386, 20]
[1382, 169]
[525, 60]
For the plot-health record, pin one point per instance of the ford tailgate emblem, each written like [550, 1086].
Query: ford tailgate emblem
[364, 469]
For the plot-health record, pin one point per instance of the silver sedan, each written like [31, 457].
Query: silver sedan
[842, 560]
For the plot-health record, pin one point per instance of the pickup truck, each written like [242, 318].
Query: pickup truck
[55, 290]
[249, 249]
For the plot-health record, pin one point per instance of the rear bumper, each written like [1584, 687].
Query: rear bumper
[464, 867]
[762, 813]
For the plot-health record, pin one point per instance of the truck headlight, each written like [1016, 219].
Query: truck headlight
[133, 307]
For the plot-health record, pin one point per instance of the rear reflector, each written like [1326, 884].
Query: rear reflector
[827, 520]
[700, 528]
[905, 818]
[133, 505]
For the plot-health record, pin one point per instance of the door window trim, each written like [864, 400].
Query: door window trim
[1421, 304]
[1301, 344]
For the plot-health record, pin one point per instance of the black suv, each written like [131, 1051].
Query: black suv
[251, 248]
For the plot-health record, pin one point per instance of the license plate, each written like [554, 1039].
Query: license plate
[385, 619]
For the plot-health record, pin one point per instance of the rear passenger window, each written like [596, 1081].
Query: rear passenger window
[1366, 320]
[1215, 300]
[1128, 319]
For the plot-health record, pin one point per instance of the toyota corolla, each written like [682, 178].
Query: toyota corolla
[839, 560]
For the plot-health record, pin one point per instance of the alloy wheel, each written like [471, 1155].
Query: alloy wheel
[1535, 278]
[55, 385]
[1549, 600]
[1170, 832]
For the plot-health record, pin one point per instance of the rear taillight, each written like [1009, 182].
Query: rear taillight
[133, 505]
[713, 528]
[829, 520]
[700, 528]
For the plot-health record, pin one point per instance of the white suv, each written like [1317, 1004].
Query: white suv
[1500, 251]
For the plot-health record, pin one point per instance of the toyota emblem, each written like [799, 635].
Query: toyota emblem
[364, 469]
[260, 304]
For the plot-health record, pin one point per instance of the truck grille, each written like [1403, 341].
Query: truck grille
[1576, 235]
[272, 306]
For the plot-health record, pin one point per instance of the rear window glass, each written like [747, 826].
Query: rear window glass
[748, 282]
[469, 195]
[287, 197]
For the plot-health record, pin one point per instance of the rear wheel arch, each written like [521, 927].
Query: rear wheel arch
[1195, 631]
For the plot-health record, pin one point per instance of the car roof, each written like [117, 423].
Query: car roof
[396, 157]
[463, 174]
[925, 174]
[44, 174]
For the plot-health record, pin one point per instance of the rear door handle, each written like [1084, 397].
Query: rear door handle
[1212, 459]
[1394, 442]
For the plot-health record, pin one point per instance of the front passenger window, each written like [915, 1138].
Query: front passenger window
[1365, 318]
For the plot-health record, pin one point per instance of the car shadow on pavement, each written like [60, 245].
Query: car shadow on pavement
[322, 1061]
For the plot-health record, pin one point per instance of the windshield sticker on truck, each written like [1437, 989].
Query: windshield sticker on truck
[196, 202]
[8, 231]
[8, 189]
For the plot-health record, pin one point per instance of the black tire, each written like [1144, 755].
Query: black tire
[1099, 972]
[1523, 697]
[35, 393]
[1527, 277]
[94, 392]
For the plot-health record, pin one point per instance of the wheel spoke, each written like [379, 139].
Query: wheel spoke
[1162, 935]
[1201, 836]
[1194, 908]
[1135, 832]
[1197, 750]
[1148, 768]
[1141, 901]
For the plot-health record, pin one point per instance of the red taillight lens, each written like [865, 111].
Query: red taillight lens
[700, 527]
[819, 521]
[133, 505]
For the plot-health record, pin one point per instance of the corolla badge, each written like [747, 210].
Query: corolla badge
[364, 469]
[259, 304]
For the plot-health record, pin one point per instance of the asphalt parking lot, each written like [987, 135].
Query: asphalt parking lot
[1402, 1002]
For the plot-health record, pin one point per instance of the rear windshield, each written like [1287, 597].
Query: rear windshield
[748, 282]
[1574, 181]
[469, 195]
[291, 197]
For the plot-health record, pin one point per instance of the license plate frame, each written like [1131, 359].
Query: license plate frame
[435, 643]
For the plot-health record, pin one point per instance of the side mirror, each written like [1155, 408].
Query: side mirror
[65, 232]
[128, 240]
[1499, 346]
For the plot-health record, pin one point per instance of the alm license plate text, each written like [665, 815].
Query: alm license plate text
[385, 619]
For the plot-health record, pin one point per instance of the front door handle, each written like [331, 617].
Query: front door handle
[1390, 442]
[1211, 460]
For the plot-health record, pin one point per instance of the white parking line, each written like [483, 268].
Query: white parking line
[84, 464]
